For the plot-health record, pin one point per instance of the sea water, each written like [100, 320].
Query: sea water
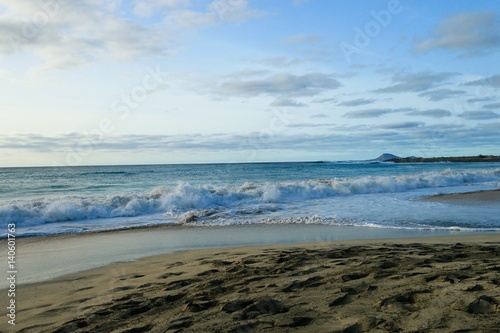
[56, 200]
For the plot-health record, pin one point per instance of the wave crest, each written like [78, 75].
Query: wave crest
[185, 197]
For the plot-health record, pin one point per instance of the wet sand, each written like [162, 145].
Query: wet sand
[431, 284]
[437, 284]
[48, 257]
[468, 198]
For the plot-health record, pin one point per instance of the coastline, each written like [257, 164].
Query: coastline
[341, 286]
[48, 257]
[467, 198]
[244, 278]
[452, 159]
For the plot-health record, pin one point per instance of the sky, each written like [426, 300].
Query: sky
[94, 82]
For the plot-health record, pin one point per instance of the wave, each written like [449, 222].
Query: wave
[184, 197]
[107, 173]
[349, 222]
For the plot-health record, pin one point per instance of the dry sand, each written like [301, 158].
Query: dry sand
[423, 285]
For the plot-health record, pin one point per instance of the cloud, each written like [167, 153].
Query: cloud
[492, 106]
[302, 39]
[441, 94]
[325, 100]
[147, 8]
[363, 138]
[434, 113]
[70, 36]
[402, 125]
[283, 85]
[481, 99]
[357, 66]
[318, 116]
[232, 10]
[218, 11]
[287, 103]
[357, 102]
[473, 33]
[308, 125]
[415, 82]
[371, 113]
[87, 144]
[492, 81]
[246, 73]
[479, 115]
[279, 61]
[67, 34]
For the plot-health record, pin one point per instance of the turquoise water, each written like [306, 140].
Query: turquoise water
[379, 195]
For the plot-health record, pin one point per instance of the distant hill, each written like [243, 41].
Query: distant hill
[386, 157]
[413, 159]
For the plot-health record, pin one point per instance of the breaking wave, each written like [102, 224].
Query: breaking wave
[184, 197]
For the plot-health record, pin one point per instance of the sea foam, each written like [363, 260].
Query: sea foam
[184, 197]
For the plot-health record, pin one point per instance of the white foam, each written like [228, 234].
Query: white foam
[248, 197]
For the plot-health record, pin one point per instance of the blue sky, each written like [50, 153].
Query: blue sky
[192, 81]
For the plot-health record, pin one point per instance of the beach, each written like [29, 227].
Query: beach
[299, 274]
[467, 198]
[433, 284]
[238, 166]
[362, 194]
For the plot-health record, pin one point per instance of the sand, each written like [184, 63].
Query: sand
[48, 257]
[468, 198]
[435, 284]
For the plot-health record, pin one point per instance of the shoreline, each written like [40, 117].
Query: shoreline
[369, 284]
[451, 159]
[245, 278]
[45, 258]
[467, 198]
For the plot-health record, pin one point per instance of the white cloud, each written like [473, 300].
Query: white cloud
[75, 33]
[318, 116]
[481, 99]
[302, 39]
[371, 113]
[218, 11]
[280, 61]
[492, 106]
[246, 73]
[283, 85]
[479, 115]
[232, 10]
[402, 125]
[72, 33]
[441, 94]
[415, 82]
[473, 33]
[434, 113]
[286, 102]
[146, 8]
[491, 81]
[325, 100]
[360, 138]
[357, 102]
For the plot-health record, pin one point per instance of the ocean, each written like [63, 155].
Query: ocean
[62, 200]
